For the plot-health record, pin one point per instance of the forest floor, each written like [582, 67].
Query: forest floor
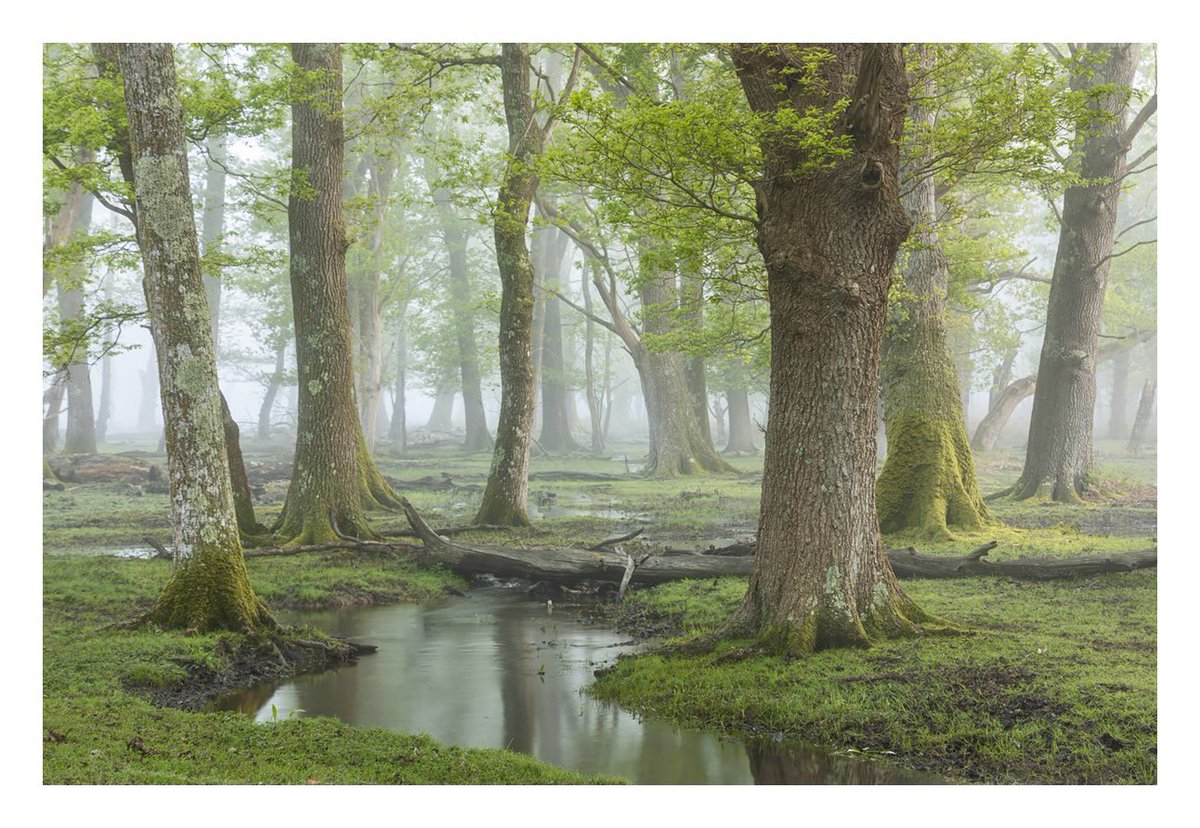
[1056, 682]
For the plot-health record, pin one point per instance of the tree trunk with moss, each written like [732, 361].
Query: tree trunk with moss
[505, 499]
[928, 481]
[209, 588]
[1058, 458]
[333, 473]
[828, 235]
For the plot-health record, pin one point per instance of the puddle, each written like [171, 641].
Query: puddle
[498, 670]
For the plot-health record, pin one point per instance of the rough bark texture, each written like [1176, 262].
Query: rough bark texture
[1058, 459]
[209, 588]
[928, 481]
[1144, 417]
[989, 428]
[333, 472]
[505, 499]
[829, 238]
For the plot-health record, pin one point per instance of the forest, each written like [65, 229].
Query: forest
[599, 413]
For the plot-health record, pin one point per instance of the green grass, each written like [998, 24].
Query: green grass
[98, 728]
[1056, 683]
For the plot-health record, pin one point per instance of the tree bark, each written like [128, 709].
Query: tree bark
[556, 427]
[333, 472]
[53, 399]
[1145, 415]
[398, 430]
[370, 304]
[505, 499]
[1118, 421]
[741, 426]
[829, 238]
[243, 501]
[455, 235]
[268, 403]
[81, 423]
[104, 411]
[609, 563]
[1058, 459]
[928, 480]
[989, 428]
[209, 588]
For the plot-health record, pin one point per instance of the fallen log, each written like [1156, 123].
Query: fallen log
[612, 564]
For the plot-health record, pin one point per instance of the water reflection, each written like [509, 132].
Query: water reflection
[497, 670]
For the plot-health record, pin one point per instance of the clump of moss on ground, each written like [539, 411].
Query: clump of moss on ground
[99, 726]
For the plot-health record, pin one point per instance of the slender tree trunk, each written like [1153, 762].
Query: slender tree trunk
[268, 403]
[1058, 459]
[209, 588]
[829, 239]
[213, 226]
[692, 293]
[53, 399]
[1143, 418]
[989, 428]
[454, 232]
[104, 413]
[1001, 377]
[506, 496]
[928, 481]
[333, 473]
[243, 501]
[1118, 421]
[556, 426]
[147, 421]
[370, 304]
[398, 430]
[81, 422]
[595, 415]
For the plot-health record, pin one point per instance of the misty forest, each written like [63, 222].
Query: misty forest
[590, 413]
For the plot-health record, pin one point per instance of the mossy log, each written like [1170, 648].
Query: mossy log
[605, 562]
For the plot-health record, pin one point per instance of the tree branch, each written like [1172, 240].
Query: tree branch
[1150, 107]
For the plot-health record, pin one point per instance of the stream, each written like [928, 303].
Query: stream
[499, 670]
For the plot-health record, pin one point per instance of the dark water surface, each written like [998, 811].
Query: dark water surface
[498, 670]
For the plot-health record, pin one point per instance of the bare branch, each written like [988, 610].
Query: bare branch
[1150, 107]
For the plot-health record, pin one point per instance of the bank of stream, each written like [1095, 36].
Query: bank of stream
[498, 669]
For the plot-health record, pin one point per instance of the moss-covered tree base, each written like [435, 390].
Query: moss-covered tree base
[928, 482]
[211, 591]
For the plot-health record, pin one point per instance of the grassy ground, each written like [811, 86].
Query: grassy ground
[1056, 683]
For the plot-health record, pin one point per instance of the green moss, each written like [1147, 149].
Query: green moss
[928, 481]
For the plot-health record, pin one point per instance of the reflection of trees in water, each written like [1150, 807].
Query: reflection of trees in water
[517, 675]
[772, 765]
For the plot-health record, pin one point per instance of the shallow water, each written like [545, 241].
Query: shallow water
[498, 670]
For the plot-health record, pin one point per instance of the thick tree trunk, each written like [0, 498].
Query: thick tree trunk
[928, 481]
[989, 428]
[829, 238]
[209, 588]
[213, 226]
[1058, 459]
[268, 403]
[454, 232]
[440, 414]
[741, 426]
[506, 496]
[81, 417]
[678, 443]
[1144, 417]
[333, 473]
